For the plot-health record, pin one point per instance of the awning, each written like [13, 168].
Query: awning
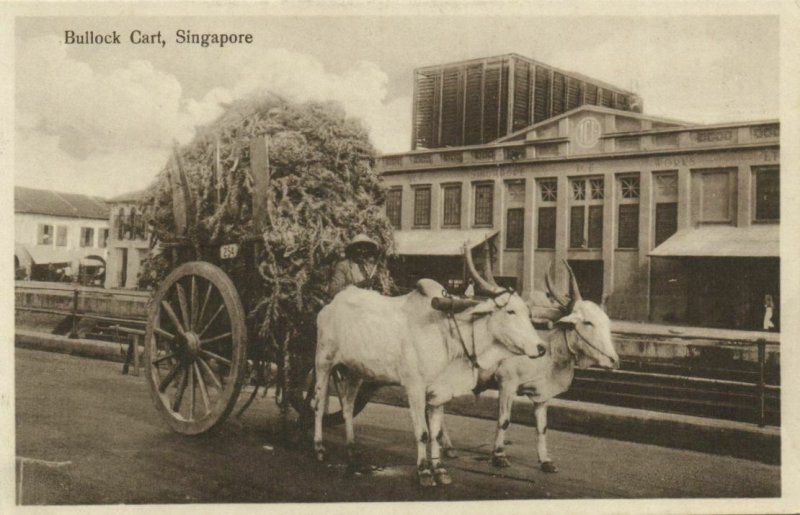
[47, 255]
[722, 241]
[448, 242]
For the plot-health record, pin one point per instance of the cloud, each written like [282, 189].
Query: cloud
[109, 131]
[361, 89]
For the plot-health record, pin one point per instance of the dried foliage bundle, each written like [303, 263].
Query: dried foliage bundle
[323, 190]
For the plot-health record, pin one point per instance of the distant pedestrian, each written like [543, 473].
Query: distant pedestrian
[769, 307]
[469, 292]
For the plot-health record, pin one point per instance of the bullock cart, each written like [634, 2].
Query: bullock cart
[200, 347]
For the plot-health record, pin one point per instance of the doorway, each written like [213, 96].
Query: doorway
[589, 274]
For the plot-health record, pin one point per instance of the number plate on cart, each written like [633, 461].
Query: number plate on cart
[229, 251]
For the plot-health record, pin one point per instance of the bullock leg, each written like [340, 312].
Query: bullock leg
[505, 401]
[348, 389]
[435, 417]
[416, 403]
[540, 412]
[323, 370]
[447, 444]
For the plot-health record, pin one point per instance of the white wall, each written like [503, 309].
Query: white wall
[26, 231]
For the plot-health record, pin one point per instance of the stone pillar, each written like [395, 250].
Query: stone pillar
[562, 231]
[744, 192]
[466, 205]
[684, 198]
[609, 240]
[436, 206]
[529, 239]
[646, 212]
[499, 223]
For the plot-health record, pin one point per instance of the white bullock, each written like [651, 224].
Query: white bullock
[580, 336]
[433, 354]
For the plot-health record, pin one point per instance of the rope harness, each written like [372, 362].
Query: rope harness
[473, 359]
[582, 337]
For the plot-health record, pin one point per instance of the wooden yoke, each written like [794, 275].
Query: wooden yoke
[259, 168]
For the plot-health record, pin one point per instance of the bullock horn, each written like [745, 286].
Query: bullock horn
[548, 281]
[479, 281]
[487, 266]
[574, 291]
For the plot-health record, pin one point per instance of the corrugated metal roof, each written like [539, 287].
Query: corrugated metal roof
[46, 202]
[722, 241]
[439, 243]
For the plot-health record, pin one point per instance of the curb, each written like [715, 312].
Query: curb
[713, 436]
[94, 349]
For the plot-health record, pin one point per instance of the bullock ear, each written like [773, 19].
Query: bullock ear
[481, 310]
[571, 319]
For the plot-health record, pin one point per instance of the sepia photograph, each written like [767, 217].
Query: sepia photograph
[282, 255]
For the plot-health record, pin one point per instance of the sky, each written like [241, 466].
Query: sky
[100, 119]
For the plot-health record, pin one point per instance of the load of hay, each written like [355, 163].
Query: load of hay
[323, 191]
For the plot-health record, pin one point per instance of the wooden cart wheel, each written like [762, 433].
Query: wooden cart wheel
[195, 347]
[333, 415]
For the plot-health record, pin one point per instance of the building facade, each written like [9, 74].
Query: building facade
[660, 219]
[128, 241]
[57, 236]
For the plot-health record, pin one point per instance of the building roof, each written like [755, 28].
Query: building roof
[131, 196]
[674, 124]
[439, 243]
[53, 203]
[722, 241]
[535, 62]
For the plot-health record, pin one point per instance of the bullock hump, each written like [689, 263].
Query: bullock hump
[430, 288]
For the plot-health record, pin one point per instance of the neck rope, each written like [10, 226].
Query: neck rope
[473, 359]
[582, 337]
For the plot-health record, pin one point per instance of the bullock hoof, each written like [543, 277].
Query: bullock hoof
[441, 476]
[450, 452]
[500, 461]
[549, 467]
[425, 477]
[319, 452]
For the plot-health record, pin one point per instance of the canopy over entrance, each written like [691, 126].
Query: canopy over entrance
[756, 241]
[46, 255]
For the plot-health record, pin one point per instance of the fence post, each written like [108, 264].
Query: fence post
[136, 354]
[762, 355]
[74, 332]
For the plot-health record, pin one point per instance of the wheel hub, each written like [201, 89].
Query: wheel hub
[192, 344]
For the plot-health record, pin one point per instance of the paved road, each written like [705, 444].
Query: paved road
[86, 413]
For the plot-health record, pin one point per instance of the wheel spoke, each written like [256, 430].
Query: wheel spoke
[210, 373]
[193, 303]
[184, 308]
[211, 355]
[190, 373]
[214, 317]
[164, 358]
[205, 303]
[168, 308]
[176, 404]
[202, 385]
[165, 334]
[169, 377]
[216, 338]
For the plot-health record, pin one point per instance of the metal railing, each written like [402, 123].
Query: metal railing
[746, 390]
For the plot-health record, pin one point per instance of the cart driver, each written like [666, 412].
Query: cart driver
[359, 266]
